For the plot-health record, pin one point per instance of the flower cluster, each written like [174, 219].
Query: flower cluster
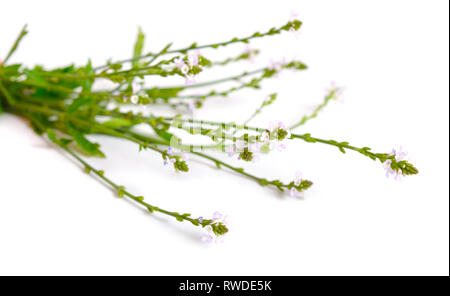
[277, 66]
[137, 89]
[214, 228]
[175, 161]
[295, 192]
[271, 139]
[135, 94]
[191, 65]
[393, 165]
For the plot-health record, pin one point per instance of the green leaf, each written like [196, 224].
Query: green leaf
[88, 70]
[163, 134]
[138, 47]
[118, 122]
[12, 70]
[52, 136]
[78, 103]
[163, 93]
[92, 149]
[16, 43]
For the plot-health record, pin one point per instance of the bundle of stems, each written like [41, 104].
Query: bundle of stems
[63, 105]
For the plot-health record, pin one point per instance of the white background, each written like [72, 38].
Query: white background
[392, 59]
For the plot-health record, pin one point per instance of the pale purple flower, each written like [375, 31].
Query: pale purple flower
[231, 150]
[277, 66]
[399, 155]
[281, 125]
[294, 16]
[193, 58]
[279, 146]
[295, 193]
[256, 158]
[391, 172]
[240, 145]
[209, 236]
[217, 216]
[200, 220]
[191, 107]
[136, 86]
[190, 79]
[170, 151]
[170, 162]
[255, 147]
[298, 178]
[179, 63]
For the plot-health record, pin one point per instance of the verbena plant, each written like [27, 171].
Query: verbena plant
[62, 105]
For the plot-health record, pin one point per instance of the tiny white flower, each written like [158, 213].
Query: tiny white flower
[134, 99]
[265, 137]
[185, 69]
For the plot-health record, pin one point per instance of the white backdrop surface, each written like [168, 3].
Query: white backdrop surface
[392, 59]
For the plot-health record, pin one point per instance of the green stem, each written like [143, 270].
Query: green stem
[15, 45]
[123, 192]
[306, 137]
[6, 94]
[208, 83]
[316, 111]
[273, 31]
[94, 124]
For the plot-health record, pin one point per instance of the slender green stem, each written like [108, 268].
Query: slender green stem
[6, 94]
[305, 184]
[123, 192]
[273, 31]
[217, 81]
[15, 45]
[306, 137]
[331, 95]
